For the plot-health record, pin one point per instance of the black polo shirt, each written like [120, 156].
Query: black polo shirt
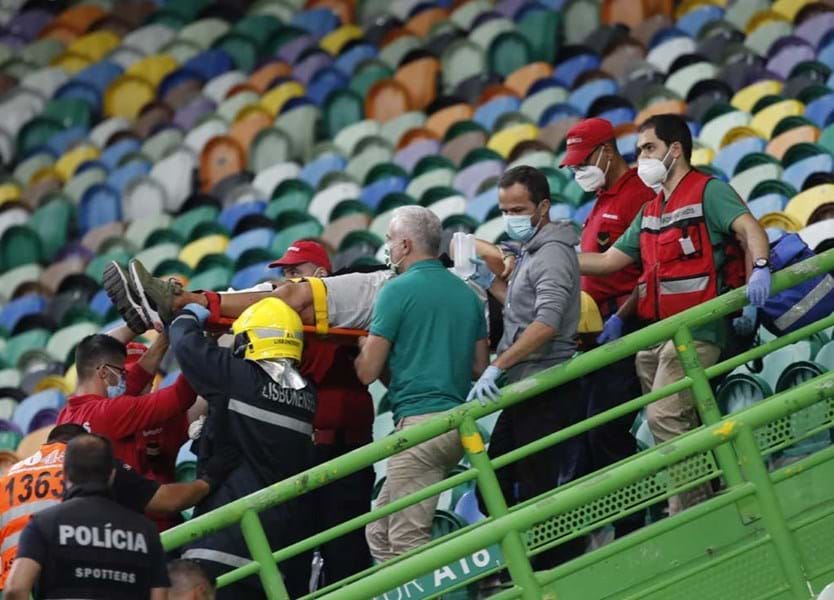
[90, 546]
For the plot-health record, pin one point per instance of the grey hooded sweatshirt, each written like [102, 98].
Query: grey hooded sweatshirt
[544, 287]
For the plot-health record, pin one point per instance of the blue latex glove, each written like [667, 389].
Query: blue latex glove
[746, 323]
[758, 287]
[611, 330]
[486, 388]
[201, 312]
[483, 275]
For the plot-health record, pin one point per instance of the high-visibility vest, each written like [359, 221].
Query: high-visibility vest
[30, 486]
[679, 271]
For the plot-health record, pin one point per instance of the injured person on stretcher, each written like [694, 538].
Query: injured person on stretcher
[331, 304]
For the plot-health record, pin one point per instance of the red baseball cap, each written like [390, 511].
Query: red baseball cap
[302, 252]
[583, 137]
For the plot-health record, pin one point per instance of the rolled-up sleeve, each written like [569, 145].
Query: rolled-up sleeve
[554, 279]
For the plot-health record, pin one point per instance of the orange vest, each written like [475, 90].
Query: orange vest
[30, 486]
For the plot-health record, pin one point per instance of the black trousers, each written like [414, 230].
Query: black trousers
[557, 465]
[337, 502]
[613, 442]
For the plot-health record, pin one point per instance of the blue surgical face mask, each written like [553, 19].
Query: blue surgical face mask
[519, 227]
[114, 391]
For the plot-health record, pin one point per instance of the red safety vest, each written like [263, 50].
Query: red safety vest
[675, 249]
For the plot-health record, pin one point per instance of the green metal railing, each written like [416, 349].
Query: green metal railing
[733, 449]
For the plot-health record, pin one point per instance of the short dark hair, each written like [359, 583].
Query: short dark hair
[94, 350]
[65, 432]
[670, 128]
[88, 459]
[185, 575]
[533, 180]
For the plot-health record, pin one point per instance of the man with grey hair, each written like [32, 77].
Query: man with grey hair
[428, 329]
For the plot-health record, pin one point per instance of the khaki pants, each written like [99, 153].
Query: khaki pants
[408, 472]
[674, 415]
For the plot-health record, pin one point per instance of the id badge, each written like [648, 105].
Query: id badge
[687, 246]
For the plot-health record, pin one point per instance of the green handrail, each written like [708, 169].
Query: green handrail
[462, 418]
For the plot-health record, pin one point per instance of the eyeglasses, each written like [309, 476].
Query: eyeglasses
[587, 162]
[118, 370]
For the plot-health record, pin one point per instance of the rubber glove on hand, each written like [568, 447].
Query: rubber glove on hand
[486, 388]
[745, 325]
[611, 330]
[483, 275]
[758, 287]
[201, 312]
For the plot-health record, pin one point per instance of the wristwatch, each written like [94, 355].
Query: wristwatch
[761, 263]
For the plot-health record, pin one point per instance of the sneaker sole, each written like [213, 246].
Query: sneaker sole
[153, 315]
[116, 286]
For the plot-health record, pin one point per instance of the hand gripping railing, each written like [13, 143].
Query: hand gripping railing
[504, 525]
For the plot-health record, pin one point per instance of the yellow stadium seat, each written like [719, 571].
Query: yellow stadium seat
[94, 46]
[153, 69]
[54, 382]
[780, 220]
[43, 174]
[761, 18]
[275, 98]
[737, 133]
[126, 96]
[194, 252]
[789, 8]
[505, 140]
[334, 41]
[689, 5]
[9, 192]
[702, 156]
[766, 119]
[745, 99]
[803, 205]
[74, 158]
[71, 377]
[71, 63]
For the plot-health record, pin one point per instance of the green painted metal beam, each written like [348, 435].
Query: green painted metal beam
[820, 388]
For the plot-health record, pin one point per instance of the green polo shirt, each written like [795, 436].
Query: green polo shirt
[722, 206]
[432, 320]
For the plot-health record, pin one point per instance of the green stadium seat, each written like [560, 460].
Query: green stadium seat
[19, 246]
[17, 346]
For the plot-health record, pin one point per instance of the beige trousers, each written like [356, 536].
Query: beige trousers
[408, 472]
[674, 415]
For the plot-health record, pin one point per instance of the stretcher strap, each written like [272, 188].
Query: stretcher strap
[319, 304]
[213, 299]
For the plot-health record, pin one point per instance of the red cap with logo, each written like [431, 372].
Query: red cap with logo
[303, 252]
[584, 137]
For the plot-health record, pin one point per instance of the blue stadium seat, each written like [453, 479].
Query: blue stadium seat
[488, 113]
[113, 154]
[373, 194]
[252, 275]
[797, 173]
[231, 215]
[100, 204]
[254, 238]
[729, 156]
[315, 170]
[31, 406]
[19, 308]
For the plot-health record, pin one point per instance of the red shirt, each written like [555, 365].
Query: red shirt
[129, 421]
[613, 212]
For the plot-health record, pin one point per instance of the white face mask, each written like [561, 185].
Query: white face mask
[590, 177]
[653, 172]
[394, 266]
